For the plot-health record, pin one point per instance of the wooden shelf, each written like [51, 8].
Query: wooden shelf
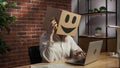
[97, 37]
[99, 13]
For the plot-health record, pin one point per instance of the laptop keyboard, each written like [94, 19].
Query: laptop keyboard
[80, 61]
[75, 61]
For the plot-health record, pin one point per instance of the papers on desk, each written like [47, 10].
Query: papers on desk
[50, 66]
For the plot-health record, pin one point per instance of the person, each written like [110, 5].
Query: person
[55, 47]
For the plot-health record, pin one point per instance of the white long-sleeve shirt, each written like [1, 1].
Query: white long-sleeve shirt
[58, 49]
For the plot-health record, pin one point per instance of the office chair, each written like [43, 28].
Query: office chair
[34, 54]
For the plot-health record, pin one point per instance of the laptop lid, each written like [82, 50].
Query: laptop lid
[93, 52]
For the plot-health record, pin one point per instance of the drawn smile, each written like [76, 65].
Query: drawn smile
[67, 30]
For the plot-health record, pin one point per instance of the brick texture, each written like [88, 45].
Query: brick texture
[25, 32]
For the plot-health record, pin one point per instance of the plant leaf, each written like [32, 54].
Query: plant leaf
[14, 4]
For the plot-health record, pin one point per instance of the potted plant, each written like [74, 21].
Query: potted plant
[96, 10]
[102, 9]
[98, 31]
[5, 19]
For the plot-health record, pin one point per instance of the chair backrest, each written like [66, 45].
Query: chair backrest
[34, 54]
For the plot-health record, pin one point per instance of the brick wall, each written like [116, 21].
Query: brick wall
[25, 32]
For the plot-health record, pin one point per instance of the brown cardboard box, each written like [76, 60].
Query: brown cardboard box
[67, 21]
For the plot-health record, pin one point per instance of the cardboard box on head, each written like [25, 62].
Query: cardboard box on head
[68, 22]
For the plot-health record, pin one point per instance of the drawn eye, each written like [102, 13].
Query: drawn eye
[74, 19]
[67, 18]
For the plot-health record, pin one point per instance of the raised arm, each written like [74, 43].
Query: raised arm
[46, 42]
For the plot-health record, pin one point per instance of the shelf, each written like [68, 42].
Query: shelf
[97, 37]
[92, 19]
[99, 13]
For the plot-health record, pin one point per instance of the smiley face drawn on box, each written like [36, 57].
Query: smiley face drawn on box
[68, 22]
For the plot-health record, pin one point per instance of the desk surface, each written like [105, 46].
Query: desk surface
[104, 61]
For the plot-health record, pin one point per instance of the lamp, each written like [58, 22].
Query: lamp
[118, 42]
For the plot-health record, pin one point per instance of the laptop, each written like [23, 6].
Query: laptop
[93, 53]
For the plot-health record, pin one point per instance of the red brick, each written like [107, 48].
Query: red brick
[26, 31]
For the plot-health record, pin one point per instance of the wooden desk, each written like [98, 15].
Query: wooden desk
[104, 61]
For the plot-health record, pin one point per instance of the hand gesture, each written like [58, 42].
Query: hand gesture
[53, 26]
